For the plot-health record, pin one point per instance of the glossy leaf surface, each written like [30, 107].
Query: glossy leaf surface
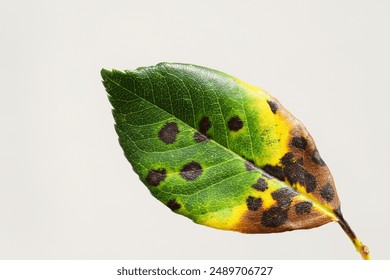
[221, 152]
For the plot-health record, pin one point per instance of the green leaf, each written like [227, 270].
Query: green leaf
[221, 152]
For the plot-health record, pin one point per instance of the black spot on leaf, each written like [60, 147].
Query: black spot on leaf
[327, 192]
[204, 125]
[199, 137]
[299, 142]
[275, 171]
[235, 123]
[274, 107]
[316, 158]
[191, 171]
[310, 182]
[294, 173]
[283, 197]
[261, 185]
[173, 205]
[168, 132]
[287, 158]
[297, 174]
[155, 177]
[274, 217]
[253, 203]
[303, 207]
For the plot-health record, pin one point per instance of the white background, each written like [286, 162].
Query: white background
[67, 191]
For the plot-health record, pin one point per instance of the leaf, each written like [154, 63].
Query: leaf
[222, 152]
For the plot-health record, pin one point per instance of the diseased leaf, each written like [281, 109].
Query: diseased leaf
[222, 152]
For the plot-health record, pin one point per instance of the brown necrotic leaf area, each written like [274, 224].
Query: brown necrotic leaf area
[327, 192]
[274, 217]
[155, 177]
[299, 142]
[273, 106]
[199, 137]
[301, 166]
[304, 166]
[261, 185]
[253, 203]
[316, 158]
[173, 205]
[191, 171]
[280, 218]
[168, 132]
[275, 171]
[235, 123]
[204, 125]
[303, 207]
[283, 197]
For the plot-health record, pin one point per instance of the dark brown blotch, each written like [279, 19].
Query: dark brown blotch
[261, 185]
[310, 182]
[253, 203]
[327, 192]
[274, 217]
[204, 125]
[168, 132]
[316, 158]
[173, 205]
[199, 137]
[191, 171]
[287, 158]
[299, 142]
[303, 207]
[275, 171]
[235, 123]
[283, 197]
[295, 173]
[155, 177]
[274, 107]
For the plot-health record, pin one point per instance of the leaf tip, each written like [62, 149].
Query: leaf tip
[104, 73]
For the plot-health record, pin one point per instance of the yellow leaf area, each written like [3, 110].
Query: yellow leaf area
[286, 217]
